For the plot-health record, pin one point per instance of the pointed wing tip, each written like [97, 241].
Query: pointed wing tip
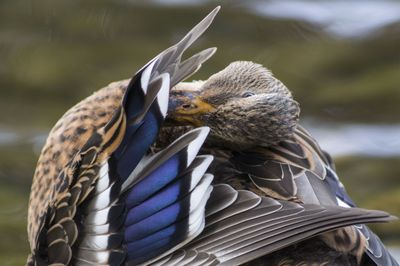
[202, 131]
[215, 10]
[198, 133]
[210, 17]
[208, 158]
[210, 52]
[387, 217]
[199, 29]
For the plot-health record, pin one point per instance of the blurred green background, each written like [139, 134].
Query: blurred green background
[53, 53]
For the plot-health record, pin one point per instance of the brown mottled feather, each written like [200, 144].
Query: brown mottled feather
[83, 168]
[56, 165]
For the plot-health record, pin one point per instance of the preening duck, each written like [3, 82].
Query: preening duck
[101, 197]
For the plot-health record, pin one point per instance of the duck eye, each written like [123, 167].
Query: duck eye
[247, 94]
[188, 106]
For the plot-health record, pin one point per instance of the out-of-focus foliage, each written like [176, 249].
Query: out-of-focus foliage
[54, 53]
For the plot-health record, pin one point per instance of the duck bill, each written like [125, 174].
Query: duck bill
[186, 107]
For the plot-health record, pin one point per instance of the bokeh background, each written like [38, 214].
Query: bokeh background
[341, 59]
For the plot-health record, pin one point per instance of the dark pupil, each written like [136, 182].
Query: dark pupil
[247, 94]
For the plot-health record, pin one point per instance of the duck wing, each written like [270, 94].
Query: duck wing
[242, 226]
[298, 169]
[79, 207]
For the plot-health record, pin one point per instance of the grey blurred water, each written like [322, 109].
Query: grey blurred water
[353, 18]
[374, 140]
[347, 19]
[357, 139]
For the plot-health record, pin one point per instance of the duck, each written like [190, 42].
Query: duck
[259, 145]
[101, 195]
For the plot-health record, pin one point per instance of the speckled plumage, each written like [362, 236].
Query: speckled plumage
[67, 137]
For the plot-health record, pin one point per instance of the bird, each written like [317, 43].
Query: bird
[259, 145]
[101, 195]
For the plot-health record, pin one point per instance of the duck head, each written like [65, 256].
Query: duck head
[244, 105]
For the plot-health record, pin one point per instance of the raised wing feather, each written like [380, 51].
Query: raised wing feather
[80, 220]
